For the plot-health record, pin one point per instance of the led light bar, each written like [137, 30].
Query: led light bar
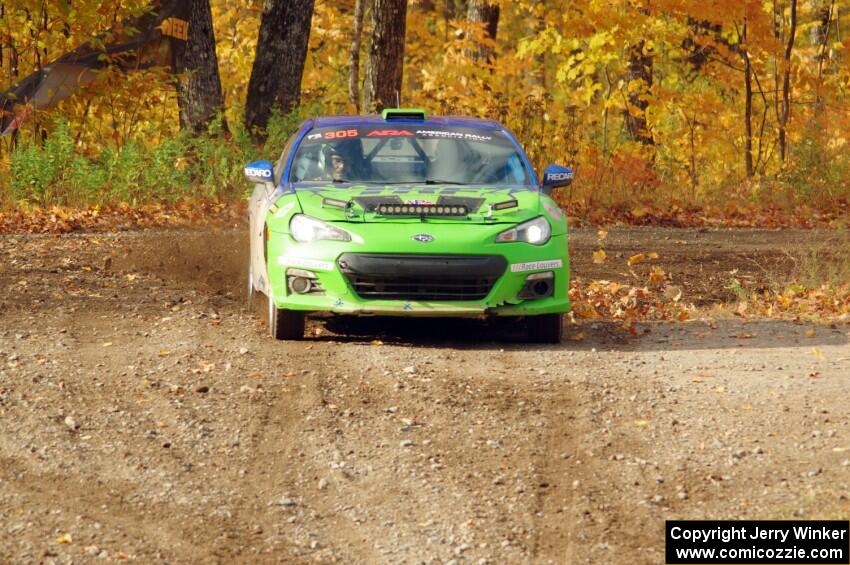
[420, 210]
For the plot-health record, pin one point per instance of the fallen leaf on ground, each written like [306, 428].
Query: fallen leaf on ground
[658, 277]
[673, 293]
[600, 256]
[641, 257]
[636, 259]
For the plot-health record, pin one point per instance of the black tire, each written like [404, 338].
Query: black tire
[546, 328]
[285, 324]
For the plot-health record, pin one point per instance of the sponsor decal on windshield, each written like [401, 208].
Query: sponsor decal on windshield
[453, 135]
[342, 134]
[331, 135]
[390, 133]
[353, 133]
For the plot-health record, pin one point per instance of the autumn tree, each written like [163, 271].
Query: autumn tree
[638, 85]
[279, 60]
[639, 76]
[784, 105]
[824, 15]
[354, 55]
[385, 62]
[199, 94]
[485, 14]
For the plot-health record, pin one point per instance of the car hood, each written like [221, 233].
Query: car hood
[357, 203]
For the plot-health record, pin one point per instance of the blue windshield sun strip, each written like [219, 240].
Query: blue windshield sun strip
[310, 125]
[306, 127]
[528, 168]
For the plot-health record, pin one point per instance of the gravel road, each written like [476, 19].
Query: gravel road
[145, 415]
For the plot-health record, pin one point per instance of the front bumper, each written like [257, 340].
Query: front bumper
[336, 268]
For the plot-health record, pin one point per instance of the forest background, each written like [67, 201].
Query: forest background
[667, 109]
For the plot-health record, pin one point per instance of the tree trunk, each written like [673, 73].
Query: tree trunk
[385, 65]
[823, 14]
[279, 61]
[638, 83]
[820, 38]
[785, 112]
[199, 96]
[697, 51]
[748, 107]
[483, 12]
[354, 55]
[2, 51]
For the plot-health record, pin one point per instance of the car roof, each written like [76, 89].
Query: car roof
[456, 121]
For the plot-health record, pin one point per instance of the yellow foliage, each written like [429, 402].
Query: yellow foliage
[560, 78]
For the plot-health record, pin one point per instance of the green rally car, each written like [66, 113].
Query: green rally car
[407, 215]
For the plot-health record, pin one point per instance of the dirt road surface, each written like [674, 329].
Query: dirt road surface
[145, 415]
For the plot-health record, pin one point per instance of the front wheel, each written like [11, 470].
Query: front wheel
[285, 324]
[545, 328]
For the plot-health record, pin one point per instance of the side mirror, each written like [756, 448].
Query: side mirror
[556, 176]
[259, 172]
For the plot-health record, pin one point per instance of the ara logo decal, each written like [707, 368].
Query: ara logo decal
[423, 238]
[259, 173]
[313, 136]
[390, 133]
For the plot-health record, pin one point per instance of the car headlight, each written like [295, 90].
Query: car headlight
[305, 229]
[536, 232]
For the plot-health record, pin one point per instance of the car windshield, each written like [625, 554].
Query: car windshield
[396, 154]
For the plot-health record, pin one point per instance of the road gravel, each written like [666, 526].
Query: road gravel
[146, 416]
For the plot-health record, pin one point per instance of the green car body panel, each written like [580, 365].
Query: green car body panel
[473, 234]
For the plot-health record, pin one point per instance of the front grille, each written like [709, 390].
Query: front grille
[422, 277]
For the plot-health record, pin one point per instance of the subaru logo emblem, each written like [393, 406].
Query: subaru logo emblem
[423, 238]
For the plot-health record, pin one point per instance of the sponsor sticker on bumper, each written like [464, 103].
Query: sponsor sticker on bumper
[536, 266]
[312, 264]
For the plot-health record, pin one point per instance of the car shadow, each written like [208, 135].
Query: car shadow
[510, 334]
[461, 333]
